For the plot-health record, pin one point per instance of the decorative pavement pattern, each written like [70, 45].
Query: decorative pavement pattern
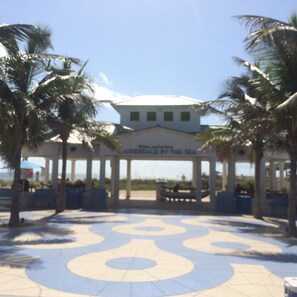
[122, 254]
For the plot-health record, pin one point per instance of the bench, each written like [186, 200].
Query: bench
[184, 196]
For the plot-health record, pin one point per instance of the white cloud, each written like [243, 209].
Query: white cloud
[105, 94]
[103, 78]
[106, 112]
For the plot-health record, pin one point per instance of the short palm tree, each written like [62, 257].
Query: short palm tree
[69, 115]
[74, 108]
[248, 116]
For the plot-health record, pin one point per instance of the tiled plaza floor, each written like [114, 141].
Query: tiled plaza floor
[127, 254]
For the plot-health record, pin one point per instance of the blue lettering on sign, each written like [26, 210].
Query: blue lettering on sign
[158, 150]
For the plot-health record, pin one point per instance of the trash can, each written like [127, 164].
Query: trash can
[43, 198]
[244, 203]
[74, 198]
[98, 199]
[290, 286]
[224, 202]
[159, 187]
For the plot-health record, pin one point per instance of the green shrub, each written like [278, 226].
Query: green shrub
[79, 184]
[5, 183]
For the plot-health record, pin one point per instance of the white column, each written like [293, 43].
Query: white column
[72, 176]
[116, 178]
[263, 179]
[55, 171]
[224, 176]
[281, 166]
[102, 171]
[89, 170]
[231, 175]
[198, 178]
[112, 178]
[194, 173]
[272, 175]
[128, 189]
[46, 170]
[212, 180]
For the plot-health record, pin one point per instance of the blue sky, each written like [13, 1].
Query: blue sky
[141, 47]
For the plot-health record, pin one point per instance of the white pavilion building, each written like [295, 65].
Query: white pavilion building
[156, 128]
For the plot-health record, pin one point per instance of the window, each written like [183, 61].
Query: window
[151, 116]
[168, 116]
[185, 116]
[134, 116]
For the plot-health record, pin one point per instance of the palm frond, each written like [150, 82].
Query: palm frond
[267, 32]
[271, 36]
[289, 105]
[256, 22]
[20, 31]
[220, 139]
[40, 41]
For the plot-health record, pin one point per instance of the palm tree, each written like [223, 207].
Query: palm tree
[74, 107]
[23, 107]
[20, 119]
[70, 114]
[256, 118]
[249, 124]
[275, 42]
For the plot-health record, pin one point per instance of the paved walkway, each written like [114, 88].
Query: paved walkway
[126, 254]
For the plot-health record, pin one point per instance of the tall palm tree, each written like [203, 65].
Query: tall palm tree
[22, 108]
[275, 42]
[20, 119]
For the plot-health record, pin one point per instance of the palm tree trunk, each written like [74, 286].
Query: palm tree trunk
[292, 231]
[257, 213]
[15, 199]
[60, 207]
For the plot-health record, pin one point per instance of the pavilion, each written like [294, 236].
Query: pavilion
[156, 128]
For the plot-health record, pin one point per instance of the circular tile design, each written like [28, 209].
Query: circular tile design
[149, 256]
[207, 244]
[157, 228]
[95, 265]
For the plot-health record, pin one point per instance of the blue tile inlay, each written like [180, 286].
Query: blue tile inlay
[209, 270]
[230, 245]
[127, 263]
[149, 228]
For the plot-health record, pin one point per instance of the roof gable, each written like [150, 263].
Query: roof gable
[158, 100]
